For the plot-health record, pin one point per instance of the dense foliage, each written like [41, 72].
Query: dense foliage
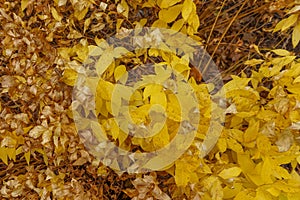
[44, 45]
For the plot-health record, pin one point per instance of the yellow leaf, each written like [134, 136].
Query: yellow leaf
[285, 187]
[294, 9]
[24, 4]
[281, 52]
[263, 194]
[159, 98]
[245, 195]
[266, 171]
[184, 171]
[27, 157]
[254, 62]
[104, 89]
[122, 137]
[279, 25]
[273, 191]
[11, 153]
[234, 145]
[69, 77]
[236, 83]
[102, 170]
[296, 35]
[266, 115]
[162, 138]
[251, 132]
[194, 22]
[60, 2]
[170, 14]
[104, 61]
[263, 143]
[80, 14]
[187, 9]
[178, 25]
[150, 4]
[290, 21]
[236, 134]
[281, 173]
[123, 8]
[45, 157]
[160, 23]
[256, 49]
[167, 3]
[230, 172]
[281, 61]
[295, 88]
[3, 155]
[119, 72]
[173, 108]
[114, 129]
[55, 14]
[251, 170]
[298, 160]
[297, 80]
[222, 145]
[180, 68]
[19, 150]
[232, 191]
[151, 89]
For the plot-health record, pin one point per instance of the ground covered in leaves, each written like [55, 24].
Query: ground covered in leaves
[254, 44]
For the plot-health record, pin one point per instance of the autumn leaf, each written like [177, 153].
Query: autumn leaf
[167, 3]
[296, 35]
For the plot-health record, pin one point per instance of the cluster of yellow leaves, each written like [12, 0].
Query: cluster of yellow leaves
[261, 132]
[147, 106]
[176, 14]
[156, 106]
[291, 21]
[260, 136]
